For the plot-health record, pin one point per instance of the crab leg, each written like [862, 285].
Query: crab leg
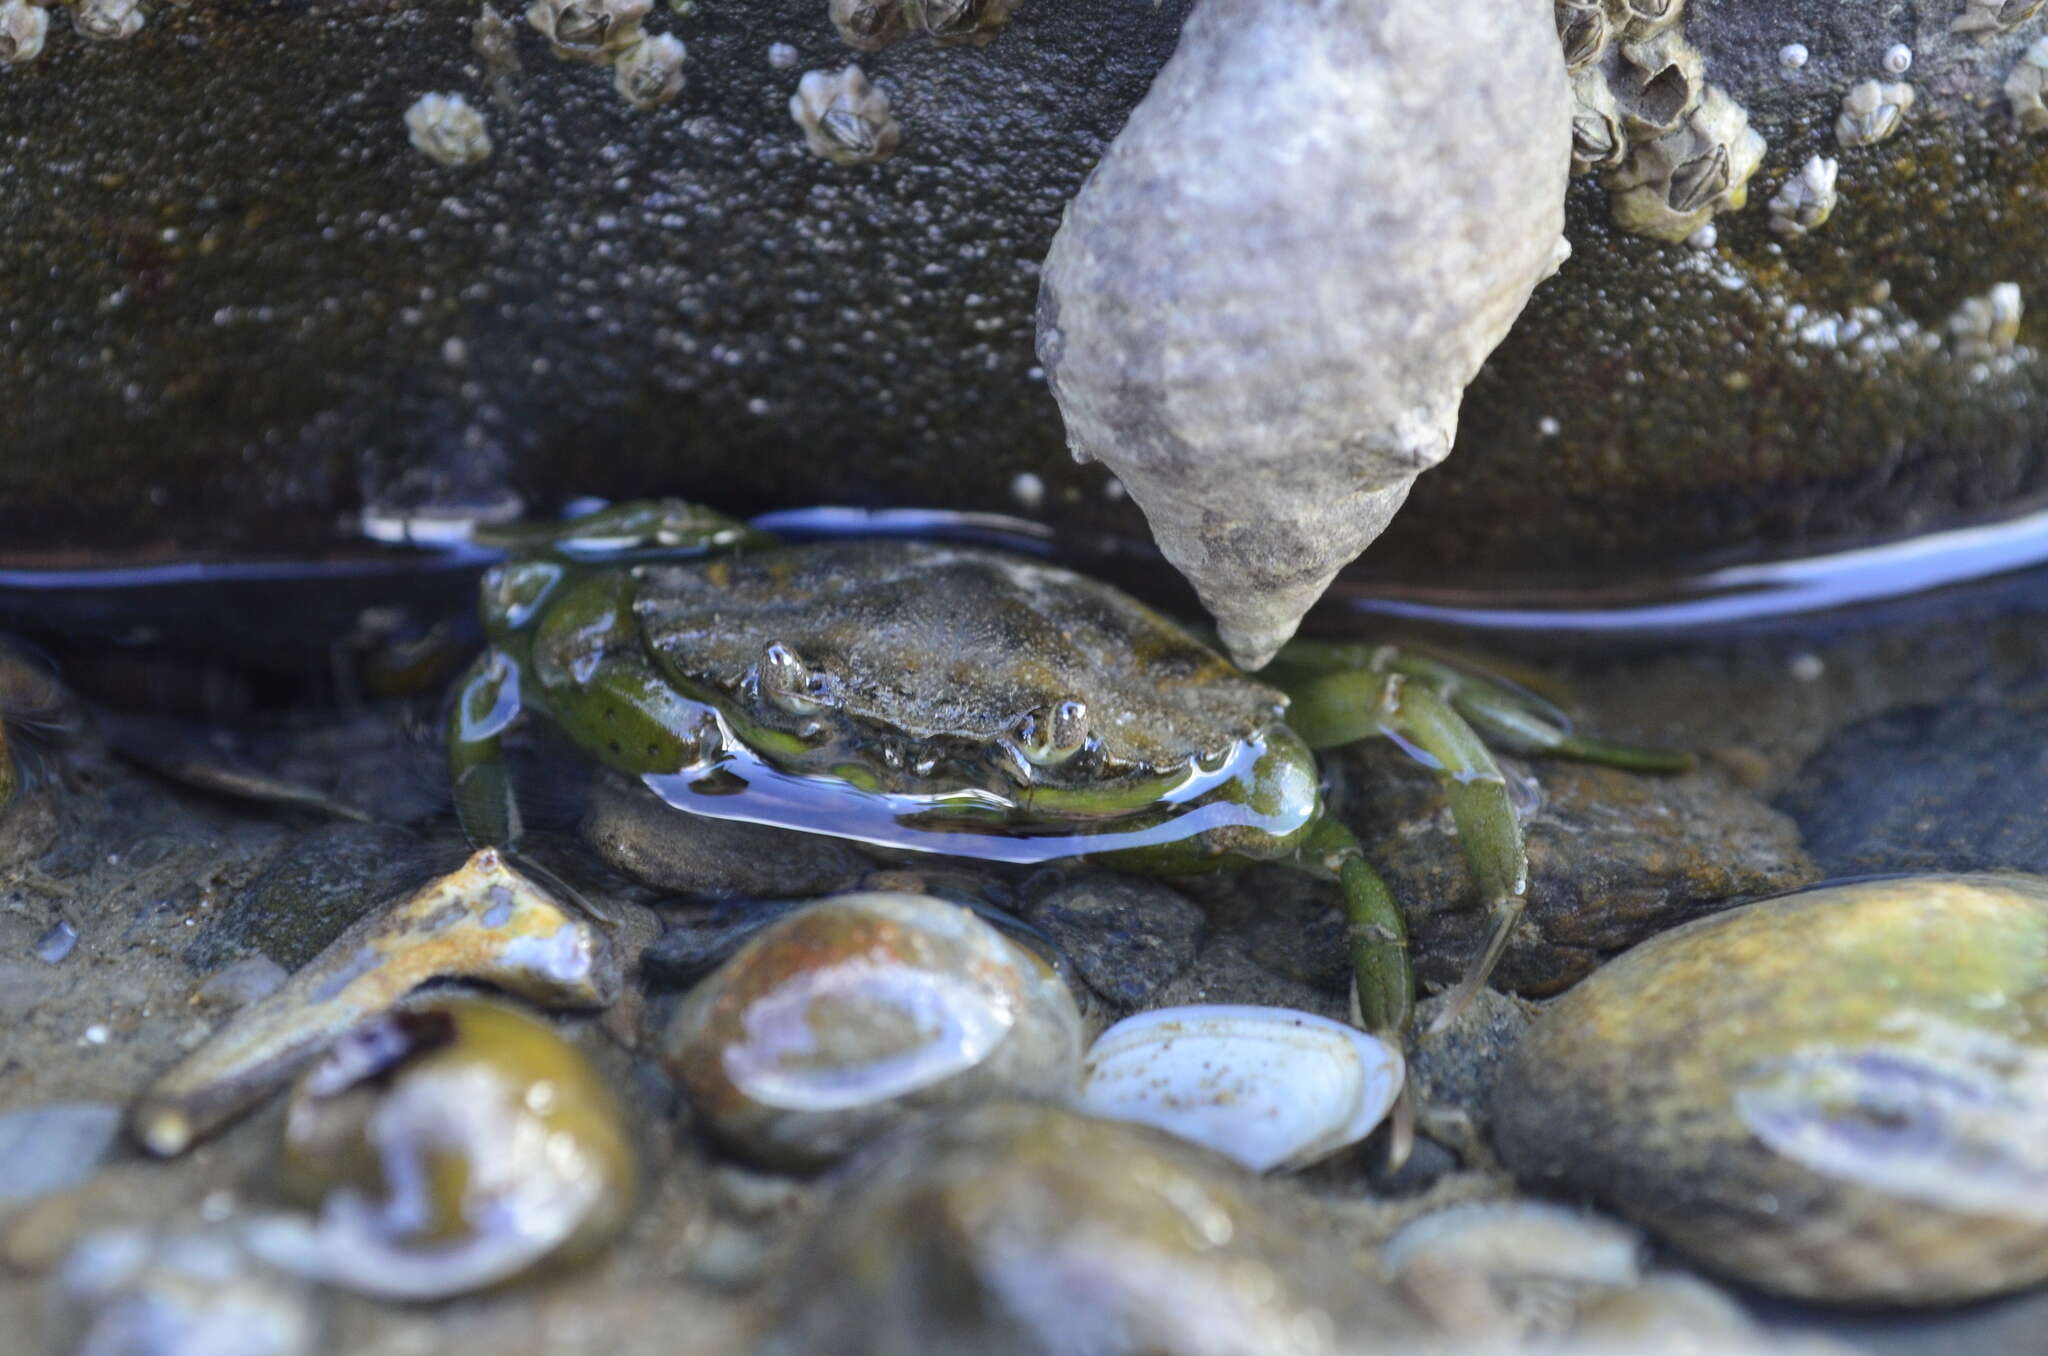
[485, 704]
[1338, 708]
[1509, 716]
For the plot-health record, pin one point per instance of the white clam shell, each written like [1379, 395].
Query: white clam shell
[1269, 1087]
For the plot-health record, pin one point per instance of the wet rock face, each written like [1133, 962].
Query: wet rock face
[1613, 859]
[619, 301]
[1929, 788]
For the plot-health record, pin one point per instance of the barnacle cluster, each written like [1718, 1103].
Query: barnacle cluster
[1675, 150]
[646, 71]
[871, 25]
[2026, 86]
[1989, 19]
[845, 119]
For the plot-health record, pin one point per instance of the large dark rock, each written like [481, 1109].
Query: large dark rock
[239, 304]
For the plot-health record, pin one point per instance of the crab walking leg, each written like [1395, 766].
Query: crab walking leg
[1338, 708]
[1383, 981]
[1379, 935]
[485, 704]
[1510, 717]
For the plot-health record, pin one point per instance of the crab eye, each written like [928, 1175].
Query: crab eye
[789, 684]
[1052, 734]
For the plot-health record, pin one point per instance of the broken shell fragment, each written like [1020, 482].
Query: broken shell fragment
[447, 130]
[651, 74]
[844, 118]
[450, 1146]
[23, 27]
[1268, 1087]
[832, 1024]
[1262, 308]
[1871, 112]
[1806, 200]
[482, 922]
[1838, 1095]
[2026, 85]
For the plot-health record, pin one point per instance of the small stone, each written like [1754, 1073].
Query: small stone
[711, 858]
[54, 1146]
[1127, 937]
[56, 943]
[1019, 1229]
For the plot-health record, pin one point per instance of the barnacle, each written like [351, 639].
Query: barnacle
[651, 74]
[22, 29]
[108, 20]
[2027, 84]
[1648, 16]
[1989, 18]
[845, 119]
[1583, 29]
[956, 21]
[1598, 141]
[598, 31]
[1871, 112]
[1987, 326]
[1807, 199]
[868, 25]
[1673, 186]
[446, 130]
[1660, 82]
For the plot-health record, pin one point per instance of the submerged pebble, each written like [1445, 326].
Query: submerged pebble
[1838, 1095]
[50, 1147]
[1024, 1229]
[178, 1292]
[836, 1022]
[1267, 1087]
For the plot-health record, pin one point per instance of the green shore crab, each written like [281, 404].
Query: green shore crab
[958, 700]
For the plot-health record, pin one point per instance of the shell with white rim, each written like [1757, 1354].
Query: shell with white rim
[1268, 1087]
[833, 1024]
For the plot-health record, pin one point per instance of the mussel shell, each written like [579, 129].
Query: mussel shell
[1268, 1087]
[1839, 1095]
